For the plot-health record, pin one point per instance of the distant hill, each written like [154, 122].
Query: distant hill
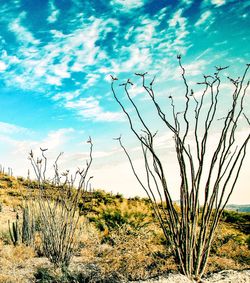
[239, 207]
[234, 207]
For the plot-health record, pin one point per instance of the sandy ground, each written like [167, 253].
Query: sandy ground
[227, 276]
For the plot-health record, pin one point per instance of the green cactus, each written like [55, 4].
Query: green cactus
[28, 226]
[14, 231]
[26, 233]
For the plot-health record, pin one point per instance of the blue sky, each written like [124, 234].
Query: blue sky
[56, 58]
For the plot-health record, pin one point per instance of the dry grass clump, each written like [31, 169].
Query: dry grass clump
[229, 250]
[133, 254]
[15, 263]
[111, 216]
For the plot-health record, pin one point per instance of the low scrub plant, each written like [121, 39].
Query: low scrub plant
[126, 212]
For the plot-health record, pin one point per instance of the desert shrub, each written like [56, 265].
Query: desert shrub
[88, 273]
[229, 248]
[14, 193]
[43, 274]
[20, 179]
[127, 253]
[111, 217]
[30, 184]
[93, 200]
[5, 237]
[248, 242]
[233, 216]
[3, 185]
[102, 197]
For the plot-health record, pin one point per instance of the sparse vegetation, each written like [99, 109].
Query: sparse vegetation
[131, 249]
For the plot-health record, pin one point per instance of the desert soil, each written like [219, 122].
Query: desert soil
[226, 276]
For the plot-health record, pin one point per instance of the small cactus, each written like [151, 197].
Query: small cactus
[14, 231]
[26, 233]
[28, 227]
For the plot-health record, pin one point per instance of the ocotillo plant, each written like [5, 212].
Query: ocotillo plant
[207, 177]
[58, 207]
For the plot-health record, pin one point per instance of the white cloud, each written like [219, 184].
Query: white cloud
[54, 12]
[218, 3]
[67, 95]
[89, 108]
[14, 151]
[53, 80]
[6, 128]
[203, 18]
[176, 19]
[56, 139]
[136, 90]
[203, 53]
[22, 33]
[74, 52]
[61, 71]
[146, 34]
[127, 5]
[3, 66]
[91, 80]
[187, 2]
[176, 36]
[195, 68]
[139, 59]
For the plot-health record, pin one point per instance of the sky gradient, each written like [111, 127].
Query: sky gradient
[56, 58]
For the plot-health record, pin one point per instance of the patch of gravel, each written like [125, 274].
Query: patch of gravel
[229, 276]
[169, 278]
[226, 276]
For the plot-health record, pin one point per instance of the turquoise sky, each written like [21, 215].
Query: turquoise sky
[56, 58]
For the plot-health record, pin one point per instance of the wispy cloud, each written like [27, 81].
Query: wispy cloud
[203, 18]
[218, 3]
[91, 79]
[6, 128]
[54, 61]
[3, 66]
[23, 35]
[128, 4]
[89, 108]
[205, 52]
[15, 149]
[55, 140]
[67, 96]
[196, 68]
[178, 27]
[54, 12]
